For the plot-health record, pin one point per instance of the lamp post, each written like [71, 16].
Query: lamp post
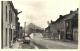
[24, 28]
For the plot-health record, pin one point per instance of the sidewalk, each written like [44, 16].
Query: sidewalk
[6, 47]
[16, 45]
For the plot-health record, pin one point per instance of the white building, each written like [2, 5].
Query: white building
[8, 23]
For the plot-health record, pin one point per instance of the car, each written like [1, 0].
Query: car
[26, 40]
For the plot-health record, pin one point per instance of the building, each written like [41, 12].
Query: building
[18, 29]
[71, 29]
[8, 23]
[21, 32]
[53, 30]
[64, 28]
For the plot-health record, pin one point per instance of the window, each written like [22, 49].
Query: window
[10, 34]
[6, 13]
[9, 17]
[6, 37]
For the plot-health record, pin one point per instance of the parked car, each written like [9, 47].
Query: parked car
[26, 40]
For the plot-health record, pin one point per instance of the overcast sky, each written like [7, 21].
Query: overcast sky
[41, 11]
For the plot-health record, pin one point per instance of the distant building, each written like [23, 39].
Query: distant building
[8, 23]
[21, 32]
[32, 28]
[18, 29]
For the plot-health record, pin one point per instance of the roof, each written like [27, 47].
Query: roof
[11, 4]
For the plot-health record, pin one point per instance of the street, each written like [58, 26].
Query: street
[55, 44]
[47, 44]
[39, 24]
[31, 45]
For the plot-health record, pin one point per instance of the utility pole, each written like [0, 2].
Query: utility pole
[24, 28]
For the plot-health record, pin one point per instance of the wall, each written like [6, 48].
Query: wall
[60, 25]
[5, 23]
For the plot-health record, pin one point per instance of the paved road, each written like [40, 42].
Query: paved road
[39, 46]
[45, 44]
[32, 45]
[49, 44]
[27, 46]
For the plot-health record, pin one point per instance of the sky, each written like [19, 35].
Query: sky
[40, 12]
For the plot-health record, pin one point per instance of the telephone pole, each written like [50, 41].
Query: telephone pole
[24, 28]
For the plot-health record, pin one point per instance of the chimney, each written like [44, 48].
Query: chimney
[51, 21]
[60, 16]
[77, 9]
[71, 11]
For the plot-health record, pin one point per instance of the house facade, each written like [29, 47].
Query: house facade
[65, 27]
[8, 23]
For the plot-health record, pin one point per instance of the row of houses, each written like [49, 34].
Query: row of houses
[64, 28]
[10, 27]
